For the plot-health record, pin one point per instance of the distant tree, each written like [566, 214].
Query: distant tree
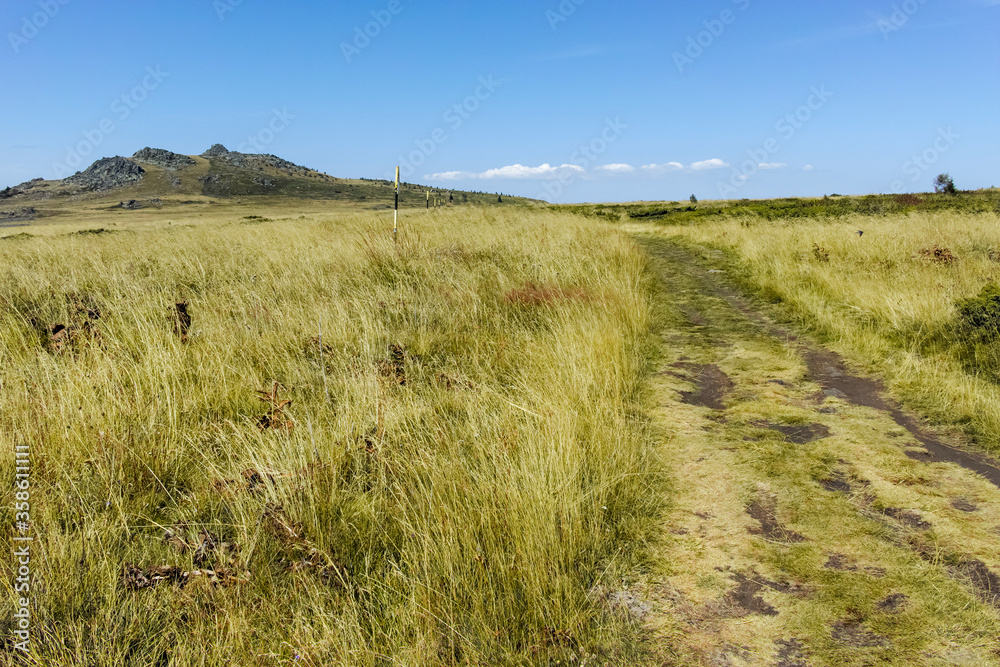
[451, 198]
[694, 200]
[945, 184]
[499, 199]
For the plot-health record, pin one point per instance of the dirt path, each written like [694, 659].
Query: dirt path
[815, 522]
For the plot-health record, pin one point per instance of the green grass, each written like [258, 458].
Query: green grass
[485, 441]
[829, 588]
[675, 213]
[883, 298]
[460, 518]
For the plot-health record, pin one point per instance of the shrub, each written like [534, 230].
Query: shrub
[908, 200]
[979, 316]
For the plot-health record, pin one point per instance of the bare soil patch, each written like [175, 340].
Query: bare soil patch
[711, 384]
[984, 581]
[791, 653]
[745, 599]
[842, 563]
[893, 603]
[853, 633]
[964, 505]
[908, 517]
[763, 509]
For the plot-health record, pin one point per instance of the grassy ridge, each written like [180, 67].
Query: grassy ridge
[836, 206]
[467, 461]
[887, 298]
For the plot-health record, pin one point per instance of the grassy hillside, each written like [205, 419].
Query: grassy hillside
[352, 453]
[232, 177]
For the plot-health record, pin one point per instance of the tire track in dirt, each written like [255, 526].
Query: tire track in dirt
[830, 371]
[774, 532]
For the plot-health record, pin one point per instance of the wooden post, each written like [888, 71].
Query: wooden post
[395, 212]
[428, 201]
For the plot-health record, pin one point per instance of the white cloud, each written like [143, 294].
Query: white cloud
[616, 168]
[514, 171]
[451, 176]
[808, 167]
[549, 171]
[670, 166]
[771, 165]
[714, 163]
[520, 171]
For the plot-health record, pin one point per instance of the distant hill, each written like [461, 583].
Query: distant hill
[154, 176]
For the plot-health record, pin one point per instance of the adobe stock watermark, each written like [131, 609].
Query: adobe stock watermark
[21, 547]
[585, 157]
[32, 25]
[901, 15]
[562, 13]
[364, 36]
[223, 7]
[122, 107]
[454, 117]
[280, 120]
[787, 127]
[714, 29]
[918, 165]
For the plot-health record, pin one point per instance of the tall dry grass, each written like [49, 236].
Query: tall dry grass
[886, 297]
[468, 460]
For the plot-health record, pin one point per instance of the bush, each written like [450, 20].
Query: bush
[979, 316]
[979, 330]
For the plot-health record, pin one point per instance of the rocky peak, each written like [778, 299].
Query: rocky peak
[107, 174]
[162, 158]
[216, 150]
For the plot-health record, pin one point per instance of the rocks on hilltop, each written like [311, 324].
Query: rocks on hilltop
[107, 174]
[217, 150]
[253, 161]
[9, 192]
[163, 158]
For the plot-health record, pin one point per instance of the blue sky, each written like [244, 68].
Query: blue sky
[578, 100]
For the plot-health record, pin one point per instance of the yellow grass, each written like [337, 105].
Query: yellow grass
[879, 299]
[461, 517]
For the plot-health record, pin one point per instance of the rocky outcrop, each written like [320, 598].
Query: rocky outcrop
[9, 192]
[27, 213]
[253, 161]
[107, 174]
[135, 205]
[217, 150]
[163, 159]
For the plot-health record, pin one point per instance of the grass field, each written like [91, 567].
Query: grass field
[262, 433]
[887, 298]
[806, 525]
[463, 467]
